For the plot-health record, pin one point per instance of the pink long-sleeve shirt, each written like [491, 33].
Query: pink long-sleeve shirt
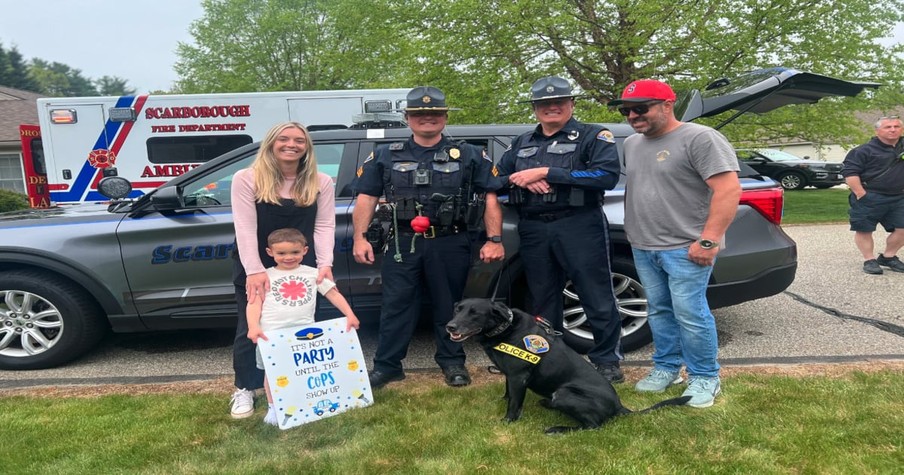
[244, 215]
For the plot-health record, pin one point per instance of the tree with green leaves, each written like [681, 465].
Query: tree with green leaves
[485, 53]
[14, 71]
[602, 46]
[60, 80]
[260, 45]
[113, 86]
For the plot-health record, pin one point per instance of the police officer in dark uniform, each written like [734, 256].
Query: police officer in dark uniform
[557, 175]
[437, 190]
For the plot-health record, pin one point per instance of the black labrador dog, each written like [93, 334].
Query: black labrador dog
[533, 356]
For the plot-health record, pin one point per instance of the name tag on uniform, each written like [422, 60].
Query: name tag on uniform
[561, 148]
[527, 152]
[448, 167]
[404, 166]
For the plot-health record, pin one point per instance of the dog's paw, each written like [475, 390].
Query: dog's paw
[545, 402]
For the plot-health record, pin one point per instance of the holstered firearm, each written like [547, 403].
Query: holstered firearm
[375, 234]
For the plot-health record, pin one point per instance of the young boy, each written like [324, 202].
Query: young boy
[290, 299]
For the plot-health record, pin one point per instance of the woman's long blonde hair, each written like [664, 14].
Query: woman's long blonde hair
[268, 178]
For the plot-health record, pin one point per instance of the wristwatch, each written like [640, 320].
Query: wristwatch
[707, 244]
[496, 239]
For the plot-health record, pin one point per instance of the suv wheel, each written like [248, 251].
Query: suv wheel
[632, 306]
[791, 180]
[45, 321]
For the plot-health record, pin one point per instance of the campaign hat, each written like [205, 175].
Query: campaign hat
[645, 90]
[550, 87]
[426, 98]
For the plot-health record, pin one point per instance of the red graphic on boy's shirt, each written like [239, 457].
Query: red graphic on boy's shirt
[293, 290]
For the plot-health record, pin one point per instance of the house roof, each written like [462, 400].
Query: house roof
[16, 107]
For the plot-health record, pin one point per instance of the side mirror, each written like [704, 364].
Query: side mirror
[167, 198]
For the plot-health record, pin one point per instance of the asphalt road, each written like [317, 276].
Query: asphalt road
[832, 312]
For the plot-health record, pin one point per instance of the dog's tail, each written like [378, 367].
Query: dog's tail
[675, 401]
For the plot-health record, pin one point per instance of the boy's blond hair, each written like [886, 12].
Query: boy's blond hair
[286, 235]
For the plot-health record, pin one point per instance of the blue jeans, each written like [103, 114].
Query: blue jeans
[684, 329]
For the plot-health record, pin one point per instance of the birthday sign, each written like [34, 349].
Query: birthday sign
[315, 371]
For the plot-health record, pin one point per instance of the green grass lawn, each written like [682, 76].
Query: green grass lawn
[811, 206]
[853, 423]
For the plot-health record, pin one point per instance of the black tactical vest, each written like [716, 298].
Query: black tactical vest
[436, 183]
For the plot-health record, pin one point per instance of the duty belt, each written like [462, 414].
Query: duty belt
[436, 231]
[550, 216]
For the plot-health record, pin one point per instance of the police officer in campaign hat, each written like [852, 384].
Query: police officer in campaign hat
[438, 191]
[557, 175]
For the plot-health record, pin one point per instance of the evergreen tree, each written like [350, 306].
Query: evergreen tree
[14, 71]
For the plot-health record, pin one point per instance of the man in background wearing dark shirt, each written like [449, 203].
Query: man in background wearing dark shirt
[875, 173]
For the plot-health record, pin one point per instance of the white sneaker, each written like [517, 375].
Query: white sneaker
[703, 391]
[658, 381]
[242, 403]
[270, 418]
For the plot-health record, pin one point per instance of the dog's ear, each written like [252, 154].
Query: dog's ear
[500, 310]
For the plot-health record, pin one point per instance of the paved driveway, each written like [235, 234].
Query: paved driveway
[832, 312]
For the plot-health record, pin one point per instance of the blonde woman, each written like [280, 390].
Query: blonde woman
[281, 189]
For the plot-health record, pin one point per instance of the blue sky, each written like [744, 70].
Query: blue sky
[132, 39]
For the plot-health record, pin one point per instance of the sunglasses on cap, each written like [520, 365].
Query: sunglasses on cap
[889, 117]
[639, 109]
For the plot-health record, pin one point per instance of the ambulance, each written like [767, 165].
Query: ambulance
[150, 139]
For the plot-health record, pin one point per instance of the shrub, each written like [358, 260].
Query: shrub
[11, 201]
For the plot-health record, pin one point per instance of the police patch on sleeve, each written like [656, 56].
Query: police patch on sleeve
[536, 344]
[606, 136]
[495, 171]
[360, 171]
[483, 153]
[369, 158]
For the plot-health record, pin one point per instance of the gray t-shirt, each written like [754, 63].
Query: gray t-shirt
[666, 196]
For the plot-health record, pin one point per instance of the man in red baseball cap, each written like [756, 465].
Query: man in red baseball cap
[681, 194]
[640, 96]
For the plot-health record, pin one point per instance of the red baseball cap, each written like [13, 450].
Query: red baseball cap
[645, 90]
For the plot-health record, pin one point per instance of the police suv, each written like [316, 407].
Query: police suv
[164, 261]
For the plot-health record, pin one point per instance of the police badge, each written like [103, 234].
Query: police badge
[536, 344]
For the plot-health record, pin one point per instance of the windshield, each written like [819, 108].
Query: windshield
[778, 155]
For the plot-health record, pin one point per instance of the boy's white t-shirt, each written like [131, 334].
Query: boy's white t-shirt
[292, 297]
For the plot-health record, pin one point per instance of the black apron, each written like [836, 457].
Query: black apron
[271, 217]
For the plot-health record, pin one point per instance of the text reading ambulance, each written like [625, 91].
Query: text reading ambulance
[150, 139]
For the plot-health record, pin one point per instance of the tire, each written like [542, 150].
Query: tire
[45, 320]
[632, 306]
[792, 181]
